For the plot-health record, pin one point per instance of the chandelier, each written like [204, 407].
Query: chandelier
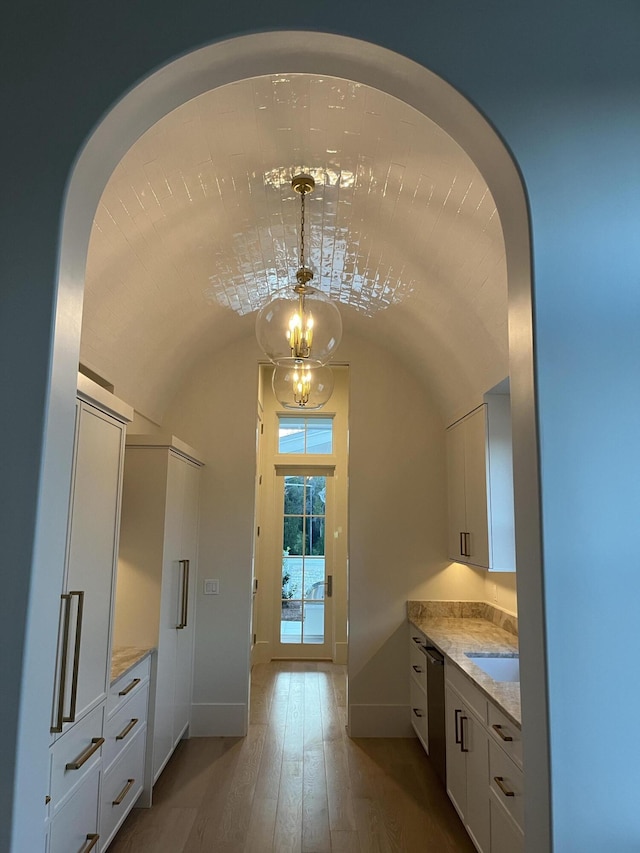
[300, 332]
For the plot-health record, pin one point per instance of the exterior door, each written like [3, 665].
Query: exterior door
[305, 587]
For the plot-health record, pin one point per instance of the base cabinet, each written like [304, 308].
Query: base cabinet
[506, 835]
[75, 826]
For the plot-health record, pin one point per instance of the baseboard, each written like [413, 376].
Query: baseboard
[379, 721]
[218, 720]
[340, 652]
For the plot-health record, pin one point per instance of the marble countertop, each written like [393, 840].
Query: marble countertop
[455, 635]
[124, 658]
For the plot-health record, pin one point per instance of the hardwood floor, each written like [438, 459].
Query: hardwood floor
[296, 783]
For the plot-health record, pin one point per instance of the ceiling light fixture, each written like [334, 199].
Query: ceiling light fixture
[304, 328]
[302, 386]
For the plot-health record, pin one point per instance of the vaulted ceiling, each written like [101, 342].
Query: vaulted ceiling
[198, 226]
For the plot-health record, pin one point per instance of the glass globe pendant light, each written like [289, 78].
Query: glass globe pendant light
[304, 326]
[302, 386]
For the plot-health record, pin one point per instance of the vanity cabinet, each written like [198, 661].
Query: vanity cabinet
[83, 662]
[157, 576]
[481, 528]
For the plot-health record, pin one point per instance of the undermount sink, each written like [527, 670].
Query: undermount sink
[498, 667]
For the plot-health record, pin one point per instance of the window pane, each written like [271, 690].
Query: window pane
[314, 538]
[291, 622]
[314, 568]
[319, 435]
[292, 539]
[293, 495]
[313, 622]
[316, 495]
[291, 435]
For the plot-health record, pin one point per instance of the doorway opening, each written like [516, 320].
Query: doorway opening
[300, 549]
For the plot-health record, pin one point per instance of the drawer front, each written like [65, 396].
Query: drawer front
[75, 826]
[418, 665]
[80, 745]
[124, 725]
[507, 783]
[122, 786]
[501, 728]
[506, 835]
[419, 719]
[123, 689]
[473, 697]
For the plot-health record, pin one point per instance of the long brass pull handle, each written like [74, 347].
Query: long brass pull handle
[96, 743]
[463, 746]
[467, 546]
[76, 657]
[462, 554]
[417, 640]
[123, 793]
[57, 724]
[125, 731]
[416, 711]
[129, 687]
[92, 839]
[498, 730]
[457, 720]
[185, 594]
[417, 668]
[499, 780]
[329, 586]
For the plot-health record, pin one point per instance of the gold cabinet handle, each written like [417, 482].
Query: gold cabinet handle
[92, 840]
[123, 793]
[96, 743]
[499, 780]
[64, 655]
[129, 687]
[498, 730]
[185, 594]
[125, 731]
[76, 656]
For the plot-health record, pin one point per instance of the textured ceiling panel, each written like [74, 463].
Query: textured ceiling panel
[198, 226]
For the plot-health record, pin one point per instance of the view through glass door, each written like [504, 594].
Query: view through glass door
[307, 577]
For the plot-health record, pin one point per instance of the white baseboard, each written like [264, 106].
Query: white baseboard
[340, 652]
[218, 720]
[379, 721]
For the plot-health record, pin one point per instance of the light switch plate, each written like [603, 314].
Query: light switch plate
[211, 587]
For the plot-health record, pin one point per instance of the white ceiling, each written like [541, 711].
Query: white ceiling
[198, 225]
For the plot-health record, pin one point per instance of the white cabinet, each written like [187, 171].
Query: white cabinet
[480, 487]
[84, 641]
[468, 762]
[418, 687]
[157, 575]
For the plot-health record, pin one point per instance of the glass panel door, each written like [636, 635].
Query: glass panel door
[304, 602]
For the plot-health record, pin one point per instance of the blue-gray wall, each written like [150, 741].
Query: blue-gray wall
[560, 80]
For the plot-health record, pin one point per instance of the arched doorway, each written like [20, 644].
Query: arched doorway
[253, 55]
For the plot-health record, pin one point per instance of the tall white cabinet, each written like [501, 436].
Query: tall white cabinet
[157, 575]
[84, 640]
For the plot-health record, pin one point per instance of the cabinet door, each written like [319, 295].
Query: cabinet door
[456, 490]
[75, 827]
[456, 762]
[185, 636]
[475, 746]
[506, 836]
[475, 468]
[92, 549]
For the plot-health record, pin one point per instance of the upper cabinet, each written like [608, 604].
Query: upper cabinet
[480, 486]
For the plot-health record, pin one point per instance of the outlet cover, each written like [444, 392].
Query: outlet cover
[211, 587]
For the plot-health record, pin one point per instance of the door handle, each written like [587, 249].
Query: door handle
[463, 746]
[458, 711]
[76, 657]
[329, 586]
[64, 654]
[184, 609]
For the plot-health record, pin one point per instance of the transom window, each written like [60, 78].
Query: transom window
[305, 434]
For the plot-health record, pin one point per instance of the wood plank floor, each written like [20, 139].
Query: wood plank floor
[296, 783]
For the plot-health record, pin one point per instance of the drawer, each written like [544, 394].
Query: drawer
[507, 783]
[122, 689]
[121, 787]
[418, 664]
[501, 729]
[75, 825]
[80, 745]
[124, 725]
[506, 835]
[419, 718]
[473, 697]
